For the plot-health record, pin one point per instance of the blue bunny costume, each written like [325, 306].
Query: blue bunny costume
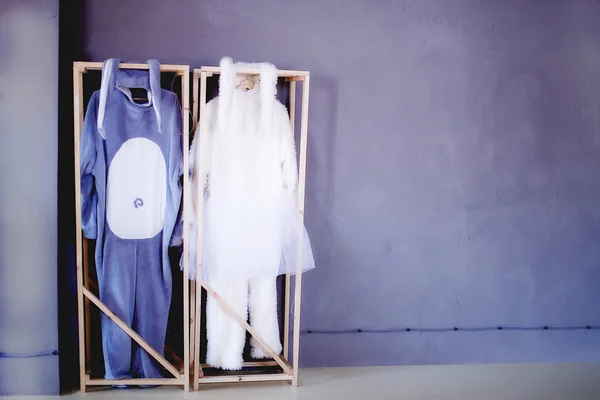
[131, 165]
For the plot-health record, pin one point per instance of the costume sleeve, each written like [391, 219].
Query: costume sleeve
[89, 195]
[291, 216]
[289, 165]
[200, 167]
[204, 149]
[177, 165]
[190, 218]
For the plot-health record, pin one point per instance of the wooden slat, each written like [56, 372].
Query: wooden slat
[193, 282]
[282, 363]
[192, 322]
[173, 355]
[246, 378]
[97, 66]
[256, 71]
[138, 339]
[288, 280]
[301, 190]
[135, 381]
[78, 124]
[90, 282]
[199, 225]
[185, 94]
[251, 364]
[195, 78]
[86, 282]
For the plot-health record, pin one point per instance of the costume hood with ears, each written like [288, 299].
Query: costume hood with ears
[122, 80]
[266, 85]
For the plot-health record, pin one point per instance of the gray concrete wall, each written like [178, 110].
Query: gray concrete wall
[28, 206]
[454, 163]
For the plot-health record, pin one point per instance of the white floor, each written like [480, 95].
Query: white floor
[466, 382]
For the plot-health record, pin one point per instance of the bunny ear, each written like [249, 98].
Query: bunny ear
[155, 89]
[268, 94]
[226, 87]
[109, 69]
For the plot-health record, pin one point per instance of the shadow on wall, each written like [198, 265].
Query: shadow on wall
[321, 166]
[71, 34]
[320, 185]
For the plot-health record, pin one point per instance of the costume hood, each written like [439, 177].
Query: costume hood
[122, 80]
[265, 83]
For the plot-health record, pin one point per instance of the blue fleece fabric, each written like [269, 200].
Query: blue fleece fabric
[134, 272]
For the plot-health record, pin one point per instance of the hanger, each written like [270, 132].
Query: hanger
[139, 92]
[246, 84]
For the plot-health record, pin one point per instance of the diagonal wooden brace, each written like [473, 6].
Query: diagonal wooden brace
[132, 334]
[282, 363]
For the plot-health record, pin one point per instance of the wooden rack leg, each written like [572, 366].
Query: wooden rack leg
[200, 217]
[194, 102]
[301, 189]
[288, 280]
[86, 283]
[193, 282]
[286, 317]
[193, 343]
[192, 321]
[78, 123]
[185, 95]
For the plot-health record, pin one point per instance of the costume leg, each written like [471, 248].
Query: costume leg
[152, 302]
[263, 315]
[116, 280]
[225, 336]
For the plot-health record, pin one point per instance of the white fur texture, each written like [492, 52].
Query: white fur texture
[225, 337]
[249, 170]
[243, 157]
[263, 316]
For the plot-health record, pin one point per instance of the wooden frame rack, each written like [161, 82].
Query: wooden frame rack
[290, 372]
[180, 375]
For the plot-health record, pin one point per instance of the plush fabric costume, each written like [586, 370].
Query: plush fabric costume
[251, 224]
[131, 163]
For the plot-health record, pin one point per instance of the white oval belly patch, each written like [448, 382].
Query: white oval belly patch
[136, 190]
